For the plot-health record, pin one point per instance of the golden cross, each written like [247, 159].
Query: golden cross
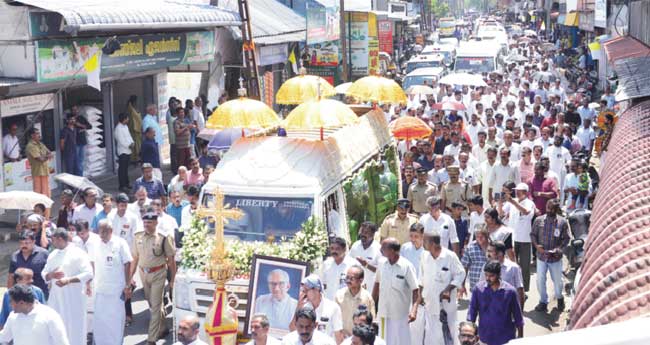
[218, 213]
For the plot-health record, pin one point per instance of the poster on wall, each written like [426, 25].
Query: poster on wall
[324, 54]
[359, 43]
[373, 57]
[329, 73]
[162, 97]
[18, 175]
[385, 35]
[58, 60]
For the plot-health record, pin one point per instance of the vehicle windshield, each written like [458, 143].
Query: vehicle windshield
[474, 64]
[417, 80]
[412, 66]
[265, 217]
[447, 23]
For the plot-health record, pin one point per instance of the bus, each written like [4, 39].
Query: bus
[446, 27]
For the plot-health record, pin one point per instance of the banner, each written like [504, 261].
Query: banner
[58, 60]
[323, 24]
[373, 57]
[324, 54]
[329, 73]
[18, 175]
[385, 34]
[359, 43]
[26, 104]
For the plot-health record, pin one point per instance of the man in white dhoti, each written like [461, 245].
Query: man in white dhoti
[88, 242]
[277, 305]
[67, 270]
[32, 323]
[441, 274]
[396, 294]
[112, 268]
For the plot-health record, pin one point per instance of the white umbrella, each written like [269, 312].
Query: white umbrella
[23, 200]
[77, 182]
[462, 79]
[343, 88]
[420, 90]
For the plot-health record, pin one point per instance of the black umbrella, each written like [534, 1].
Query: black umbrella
[446, 332]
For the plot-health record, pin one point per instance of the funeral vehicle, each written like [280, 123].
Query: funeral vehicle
[341, 176]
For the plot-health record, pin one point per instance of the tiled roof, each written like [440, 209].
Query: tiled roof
[615, 276]
[102, 15]
[625, 47]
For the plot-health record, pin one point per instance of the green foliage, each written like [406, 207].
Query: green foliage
[308, 245]
[440, 9]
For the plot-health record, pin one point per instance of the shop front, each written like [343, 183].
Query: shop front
[18, 115]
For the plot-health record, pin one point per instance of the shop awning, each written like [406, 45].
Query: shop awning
[633, 78]
[117, 15]
[571, 19]
[274, 23]
[625, 47]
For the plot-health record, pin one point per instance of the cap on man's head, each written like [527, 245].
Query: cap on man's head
[150, 214]
[67, 192]
[34, 218]
[421, 170]
[454, 169]
[312, 281]
[121, 198]
[522, 186]
[403, 203]
[146, 165]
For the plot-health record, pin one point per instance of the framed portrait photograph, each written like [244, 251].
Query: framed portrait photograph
[273, 291]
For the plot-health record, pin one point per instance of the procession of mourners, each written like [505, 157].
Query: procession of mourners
[483, 210]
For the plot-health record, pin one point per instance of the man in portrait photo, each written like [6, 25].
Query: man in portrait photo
[277, 305]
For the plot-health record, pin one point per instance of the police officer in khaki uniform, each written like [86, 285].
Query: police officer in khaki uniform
[398, 224]
[153, 255]
[420, 191]
[455, 191]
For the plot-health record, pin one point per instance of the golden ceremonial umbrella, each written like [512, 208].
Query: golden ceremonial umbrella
[377, 89]
[303, 88]
[320, 114]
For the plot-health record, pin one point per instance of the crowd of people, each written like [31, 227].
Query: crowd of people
[483, 199]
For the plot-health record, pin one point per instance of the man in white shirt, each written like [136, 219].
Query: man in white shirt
[519, 212]
[436, 220]
[474, 128]
[558, 90]
[188, 331]
[502, 172]
[586, 112]
[479, 150]
[476, 216]
[166, 224]
[112, 283]
[306, 332]
[123, 144]
[334, 268]
[367, 252]
[484, 174]
[412, 251]
[67, 270]
[327, 312]
[124, 223]
[558, 157]
[453, 149]
[442, 274]
[508, 142]
[89, 209]
[188, 211]
[586, 135]
[260, 331]
[396, 294]
[32, 323]
[197, 114]
[141, 203]
[10, 146]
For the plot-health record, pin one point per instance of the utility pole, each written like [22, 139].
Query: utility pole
[344, 44]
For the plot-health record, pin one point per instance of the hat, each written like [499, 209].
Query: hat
[67, 192]
[150, 216]
[522, 186]
[421, 170]
[312, 281]
[147, 165]
[403, 203]
[453, 169]
[122, 197]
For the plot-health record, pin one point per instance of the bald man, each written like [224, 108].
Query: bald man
[277, 305]
[188, 331]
